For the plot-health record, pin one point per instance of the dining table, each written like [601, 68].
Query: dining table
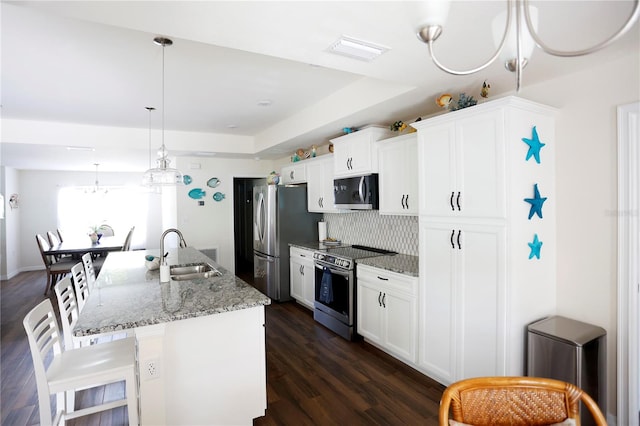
[81, 245]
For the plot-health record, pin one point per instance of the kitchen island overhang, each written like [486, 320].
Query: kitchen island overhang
[201, 342]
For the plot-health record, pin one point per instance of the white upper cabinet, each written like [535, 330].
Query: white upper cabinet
[320, 185]
[398, 175]
[466, 158]
[356, 154]
[294, 173]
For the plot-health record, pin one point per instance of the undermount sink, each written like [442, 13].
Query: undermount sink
[193, 271]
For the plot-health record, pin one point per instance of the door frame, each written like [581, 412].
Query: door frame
[628, 342]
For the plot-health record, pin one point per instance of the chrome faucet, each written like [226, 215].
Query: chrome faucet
[183, 244]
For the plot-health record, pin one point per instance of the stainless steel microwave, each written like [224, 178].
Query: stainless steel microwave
[356, 193]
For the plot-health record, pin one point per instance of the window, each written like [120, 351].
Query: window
[82, 208]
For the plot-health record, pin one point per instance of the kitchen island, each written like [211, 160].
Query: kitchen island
[201, 342]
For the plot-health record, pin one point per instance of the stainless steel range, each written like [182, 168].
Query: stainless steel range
[335, 287]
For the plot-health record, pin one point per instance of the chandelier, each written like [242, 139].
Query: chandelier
[96, 188]
[515, 42]
[162, 174]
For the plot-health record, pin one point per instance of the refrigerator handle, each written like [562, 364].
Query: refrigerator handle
[259, 217]
[262, 256]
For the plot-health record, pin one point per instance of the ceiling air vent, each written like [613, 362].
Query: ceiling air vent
[357, 49]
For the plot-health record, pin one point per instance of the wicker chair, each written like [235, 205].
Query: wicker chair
[515, 401]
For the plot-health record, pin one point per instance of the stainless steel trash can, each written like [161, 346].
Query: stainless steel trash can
[573, 351]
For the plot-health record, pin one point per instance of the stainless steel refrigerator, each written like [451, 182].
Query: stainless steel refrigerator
[279, 217]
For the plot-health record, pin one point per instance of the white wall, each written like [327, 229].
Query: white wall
[586, 185]
[211, 225]
[9, 226]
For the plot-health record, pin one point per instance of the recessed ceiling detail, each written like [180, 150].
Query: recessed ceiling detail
[357, 49]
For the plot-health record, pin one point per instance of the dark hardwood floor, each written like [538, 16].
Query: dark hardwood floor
[313, 376]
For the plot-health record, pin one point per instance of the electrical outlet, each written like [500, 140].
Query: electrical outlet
[151, 369]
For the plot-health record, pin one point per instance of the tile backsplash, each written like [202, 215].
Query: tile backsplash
[397, 233]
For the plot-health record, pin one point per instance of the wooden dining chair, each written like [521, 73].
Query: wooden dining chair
[515, 401]
[55, 268]
[59, 234]
[80, 284]
[79, 368]
[54, 241]
[127, 241]
[106, 230]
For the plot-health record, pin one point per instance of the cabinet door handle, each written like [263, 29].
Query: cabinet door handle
[379, 298]
[384, 296]
[458, 201]
[459, 246]
[451, 201]
[406, 201]
[301, 269]
[319, 201]
[383, 278]
[453, 232]
[291, 174]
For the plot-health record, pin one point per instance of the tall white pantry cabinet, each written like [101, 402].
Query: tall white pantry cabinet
[481, 282]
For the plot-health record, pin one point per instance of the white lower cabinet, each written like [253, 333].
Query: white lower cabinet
[387, 311]
[302, 276]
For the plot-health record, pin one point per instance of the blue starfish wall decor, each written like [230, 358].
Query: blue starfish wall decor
[535, 247]
[534, 146]
[536, 202]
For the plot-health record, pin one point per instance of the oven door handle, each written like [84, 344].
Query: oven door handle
[341, 272]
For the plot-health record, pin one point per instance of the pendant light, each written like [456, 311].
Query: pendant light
[149, 110]
[162, 174]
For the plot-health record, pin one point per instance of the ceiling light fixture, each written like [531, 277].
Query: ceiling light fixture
[96, 189]
[357, 49]
[162, 174]
[514, 42]
[80, 148]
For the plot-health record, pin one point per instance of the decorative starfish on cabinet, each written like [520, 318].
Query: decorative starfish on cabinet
[536, 202]
[535, 247]
[534, 146]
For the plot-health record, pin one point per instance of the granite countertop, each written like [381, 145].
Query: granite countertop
[127, 295]
[400, 263]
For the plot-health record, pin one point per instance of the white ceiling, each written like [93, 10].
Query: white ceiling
[95, 63]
